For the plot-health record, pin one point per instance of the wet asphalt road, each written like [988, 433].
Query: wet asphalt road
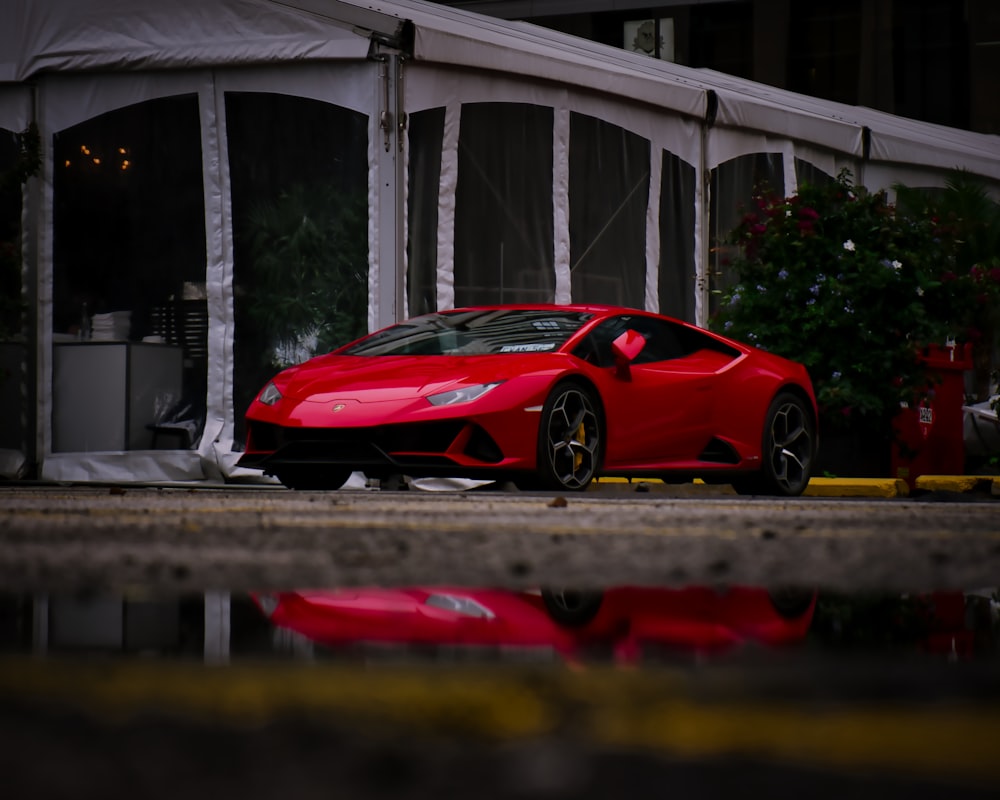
[807, 725]
[255, 538]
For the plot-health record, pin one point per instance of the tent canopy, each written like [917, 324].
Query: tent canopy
[44, 36]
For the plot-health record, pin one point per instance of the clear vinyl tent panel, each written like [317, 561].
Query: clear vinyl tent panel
[503, 205]
[676, 284]
[733, 186]
[13, 353]
[129, 316]
[505, 208]
[807, 173]
[299, 176]
[609, 194]
[426, 134]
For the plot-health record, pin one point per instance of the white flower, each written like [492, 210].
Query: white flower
[849, 245]
[896, 265]
[920, 291]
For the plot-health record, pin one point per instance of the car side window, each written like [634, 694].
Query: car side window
[596, 346]
[662, 341]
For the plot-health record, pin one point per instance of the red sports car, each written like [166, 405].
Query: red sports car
[628, 621]
[545, 396]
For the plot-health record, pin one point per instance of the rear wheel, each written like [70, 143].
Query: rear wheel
[572, 606]
[570, 439]
[313, 478]
[791, 602]
[789, 446]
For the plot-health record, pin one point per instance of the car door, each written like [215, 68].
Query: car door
[660, 409]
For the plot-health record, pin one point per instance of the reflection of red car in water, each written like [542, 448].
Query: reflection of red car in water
[625, 620]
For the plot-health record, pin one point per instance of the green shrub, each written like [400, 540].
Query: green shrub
[835, 278]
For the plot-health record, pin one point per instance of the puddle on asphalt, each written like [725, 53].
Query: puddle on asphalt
[628, 626]
[444, 691]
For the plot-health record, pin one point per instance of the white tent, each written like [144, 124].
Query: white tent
[496, 161]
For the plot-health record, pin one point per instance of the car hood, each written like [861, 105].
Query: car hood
[385, 378]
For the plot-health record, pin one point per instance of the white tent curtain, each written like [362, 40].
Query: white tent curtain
[65, 103]
[269, 97]
[71, 101]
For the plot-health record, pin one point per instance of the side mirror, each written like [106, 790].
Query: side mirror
[625, 348]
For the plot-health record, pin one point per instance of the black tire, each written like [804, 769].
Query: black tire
[791, 602]
[571, 606]
[313, 478]
[570, 439]
[787, 451]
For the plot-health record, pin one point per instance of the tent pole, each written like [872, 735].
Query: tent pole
[390, 189]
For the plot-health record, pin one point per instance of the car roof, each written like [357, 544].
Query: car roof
[594, 308]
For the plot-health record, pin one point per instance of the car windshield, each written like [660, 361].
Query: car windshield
[475, 332]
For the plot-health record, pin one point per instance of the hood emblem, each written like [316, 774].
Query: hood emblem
[338, 407]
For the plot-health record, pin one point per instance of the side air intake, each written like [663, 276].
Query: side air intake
[719, 452]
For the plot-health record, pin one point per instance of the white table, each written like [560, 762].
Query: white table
[105, 393]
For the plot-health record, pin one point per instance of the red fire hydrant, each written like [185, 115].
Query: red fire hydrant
[929, 433]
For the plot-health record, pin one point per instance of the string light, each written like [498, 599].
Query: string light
[124, 163]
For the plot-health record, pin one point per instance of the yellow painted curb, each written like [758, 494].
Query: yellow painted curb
[956, 483]
[818, 487]
[857, 487]
[868, 487]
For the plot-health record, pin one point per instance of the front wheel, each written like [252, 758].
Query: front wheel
[313, 478]
[789, 446]
[570, 439]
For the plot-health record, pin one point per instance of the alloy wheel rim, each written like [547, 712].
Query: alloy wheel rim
[574, 439]
[791, 447]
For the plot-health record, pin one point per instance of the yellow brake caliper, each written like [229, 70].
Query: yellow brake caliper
[581, 438]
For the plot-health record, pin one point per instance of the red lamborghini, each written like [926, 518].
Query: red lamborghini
[544, 396]
[631, 621]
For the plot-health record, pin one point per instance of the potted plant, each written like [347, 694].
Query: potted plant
[836, 278]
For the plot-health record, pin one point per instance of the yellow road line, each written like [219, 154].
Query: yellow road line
[640, 709]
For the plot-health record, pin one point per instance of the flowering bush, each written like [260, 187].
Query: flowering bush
[835, 278]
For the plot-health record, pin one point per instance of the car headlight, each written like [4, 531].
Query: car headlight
[464, 395]
[460, 605]
[268, 603]
[269, 395]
